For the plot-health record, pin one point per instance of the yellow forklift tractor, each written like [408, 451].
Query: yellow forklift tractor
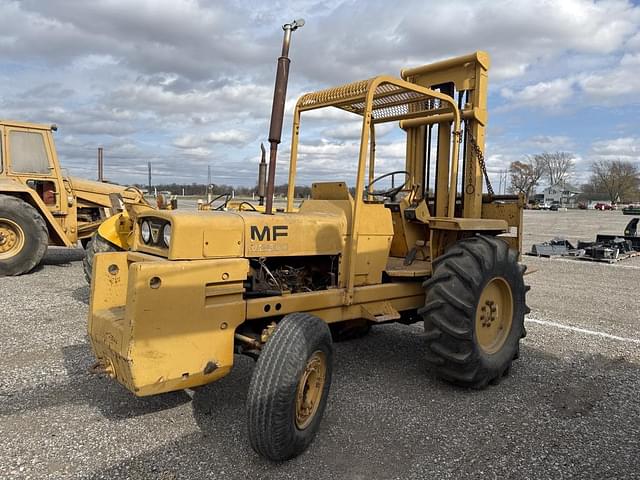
[198, 287]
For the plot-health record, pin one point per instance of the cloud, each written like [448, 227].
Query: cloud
[186, 84]
[353, 130]
[550, 142]
[624, 148]
[615, 82]
[227, 137]
[550, 95]
[230, 137]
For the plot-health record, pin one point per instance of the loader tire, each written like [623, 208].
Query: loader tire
[289, 387]
[474, 312]
[23, 236]
[97, 244]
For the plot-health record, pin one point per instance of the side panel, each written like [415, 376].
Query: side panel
[57, 234]
[174, 327]
[511, 212]
[329, 304]
[374, 236]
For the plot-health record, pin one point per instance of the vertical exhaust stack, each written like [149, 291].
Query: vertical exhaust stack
[277, 110]
[262, 175]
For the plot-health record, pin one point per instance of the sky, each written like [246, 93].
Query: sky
[187, 84]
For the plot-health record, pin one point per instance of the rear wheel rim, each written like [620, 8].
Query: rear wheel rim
[494, 315]
[310, 389]
[11, 238]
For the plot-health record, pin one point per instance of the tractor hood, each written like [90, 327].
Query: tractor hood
[200, 235]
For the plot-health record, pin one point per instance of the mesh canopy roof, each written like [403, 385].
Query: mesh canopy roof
[390, 102]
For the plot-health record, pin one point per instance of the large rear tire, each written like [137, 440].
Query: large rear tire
[23, 236]
[474, 312]
[97, 244]
[289, 388]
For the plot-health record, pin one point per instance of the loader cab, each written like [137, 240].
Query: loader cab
[29, 157]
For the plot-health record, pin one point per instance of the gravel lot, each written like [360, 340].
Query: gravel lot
[570, 408]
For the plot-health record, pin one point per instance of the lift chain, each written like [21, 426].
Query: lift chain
[479, 155]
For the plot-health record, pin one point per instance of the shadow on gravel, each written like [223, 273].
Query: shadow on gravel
[62, 256]
[84, 388]
[387, 417]
[81, 294]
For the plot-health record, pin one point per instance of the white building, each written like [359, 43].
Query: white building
[564, 194]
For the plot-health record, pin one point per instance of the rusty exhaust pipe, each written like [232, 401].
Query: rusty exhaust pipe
[277, 110]
[262, 175]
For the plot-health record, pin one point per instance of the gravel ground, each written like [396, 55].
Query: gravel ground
[570, 408]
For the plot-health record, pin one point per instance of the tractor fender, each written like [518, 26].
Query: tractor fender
[116, 230]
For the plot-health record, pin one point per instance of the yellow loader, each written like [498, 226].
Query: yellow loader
[39, 205]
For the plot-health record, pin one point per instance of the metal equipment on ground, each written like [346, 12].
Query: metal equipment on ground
[196, 288]
[631, 210]
[606, 248]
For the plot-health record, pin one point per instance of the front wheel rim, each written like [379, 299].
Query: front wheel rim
[310, 389]
[11, 238]
[494, 315]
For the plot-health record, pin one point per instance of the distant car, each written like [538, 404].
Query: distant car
[582, 206]
[554, 207]
[603, 206]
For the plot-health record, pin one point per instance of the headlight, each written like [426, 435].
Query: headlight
[166, 234]
[145, 231]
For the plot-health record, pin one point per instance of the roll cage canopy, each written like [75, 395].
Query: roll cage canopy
[380, 99]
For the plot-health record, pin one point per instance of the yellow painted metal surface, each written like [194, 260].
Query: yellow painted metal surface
[71, 196]
[467, 73]
[287, 234]
[117, 230]
[58, 235]
[161, 325]
[329, 304]
[158, 325]
[164, 317]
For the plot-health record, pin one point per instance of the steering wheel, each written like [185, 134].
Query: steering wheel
[250, 205]
[393, 191]
[223, 205]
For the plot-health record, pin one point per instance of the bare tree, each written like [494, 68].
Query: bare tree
[526, 175]
[558, 166]
[619, 179]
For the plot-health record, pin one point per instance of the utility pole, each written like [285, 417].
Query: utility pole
[149, 166]
[100, 166]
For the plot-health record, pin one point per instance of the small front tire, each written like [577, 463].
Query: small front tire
[289, 388]
[97, 244]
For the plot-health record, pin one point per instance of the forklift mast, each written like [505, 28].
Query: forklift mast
[464, 79]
